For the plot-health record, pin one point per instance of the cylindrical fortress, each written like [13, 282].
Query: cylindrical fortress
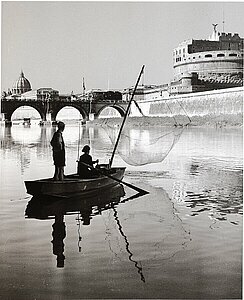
[227, 62]
[221, 54]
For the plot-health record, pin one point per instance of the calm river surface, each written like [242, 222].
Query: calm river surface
[183, 240]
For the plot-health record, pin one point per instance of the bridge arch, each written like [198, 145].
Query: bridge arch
[55, 112]
[118, 108]
[13, 109]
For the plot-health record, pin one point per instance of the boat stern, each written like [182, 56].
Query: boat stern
[33, 187]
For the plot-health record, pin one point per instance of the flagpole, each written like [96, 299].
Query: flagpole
[83, 86]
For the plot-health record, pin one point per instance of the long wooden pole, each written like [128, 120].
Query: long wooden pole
[126, 114]
[139, 190]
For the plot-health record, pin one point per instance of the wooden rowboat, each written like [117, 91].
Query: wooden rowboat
[72, 184]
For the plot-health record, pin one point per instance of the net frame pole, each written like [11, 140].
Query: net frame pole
[125, 116]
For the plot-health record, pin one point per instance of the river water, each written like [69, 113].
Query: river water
[183, 240]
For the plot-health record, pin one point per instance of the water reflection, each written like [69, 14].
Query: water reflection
[20, 143]
[86, 208]
[59, 234]
[39, 137]
[27, 144]
[139, 268]
[216, 189]
[6, 138]
[225, 204]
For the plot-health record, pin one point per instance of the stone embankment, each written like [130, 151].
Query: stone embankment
[219, 108]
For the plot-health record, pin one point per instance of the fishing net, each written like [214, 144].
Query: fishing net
[140, 144]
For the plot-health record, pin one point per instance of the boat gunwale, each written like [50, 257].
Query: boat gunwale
[68, 180]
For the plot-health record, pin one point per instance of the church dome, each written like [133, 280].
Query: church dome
[22, 85]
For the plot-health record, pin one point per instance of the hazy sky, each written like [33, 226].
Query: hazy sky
[58, 43]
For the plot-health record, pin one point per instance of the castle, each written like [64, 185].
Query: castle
[208, 64]
[200, 65]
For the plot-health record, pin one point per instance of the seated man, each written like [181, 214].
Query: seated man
[85, 161]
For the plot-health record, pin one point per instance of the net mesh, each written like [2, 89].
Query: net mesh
[139, 144]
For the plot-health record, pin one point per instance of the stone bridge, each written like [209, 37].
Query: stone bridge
[87, 105]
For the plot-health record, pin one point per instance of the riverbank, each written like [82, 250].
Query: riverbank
[196, 121]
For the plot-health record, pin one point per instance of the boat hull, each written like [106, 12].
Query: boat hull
[87, 205]
[72, 184]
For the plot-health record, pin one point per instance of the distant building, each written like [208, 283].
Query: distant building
[22, 85]
[146, 92]
[37, 94]
[208, 64]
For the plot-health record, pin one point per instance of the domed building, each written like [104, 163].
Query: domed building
[22, 85]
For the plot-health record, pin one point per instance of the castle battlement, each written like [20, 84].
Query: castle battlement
[220, 54]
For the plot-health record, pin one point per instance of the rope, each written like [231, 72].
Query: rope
[78, 146]
[79, 234]
[184, 111]
[171, 112]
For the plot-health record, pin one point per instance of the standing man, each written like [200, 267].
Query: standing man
[58, 146]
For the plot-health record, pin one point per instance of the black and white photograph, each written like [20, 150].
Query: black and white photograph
[121, 158]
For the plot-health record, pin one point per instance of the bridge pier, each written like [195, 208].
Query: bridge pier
[91, 117]
[7, 119]
[8, 123]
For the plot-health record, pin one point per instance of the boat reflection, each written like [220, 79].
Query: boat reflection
[87, 207]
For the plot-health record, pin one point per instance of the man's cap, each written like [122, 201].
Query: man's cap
[86, 148]
[61, 125]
